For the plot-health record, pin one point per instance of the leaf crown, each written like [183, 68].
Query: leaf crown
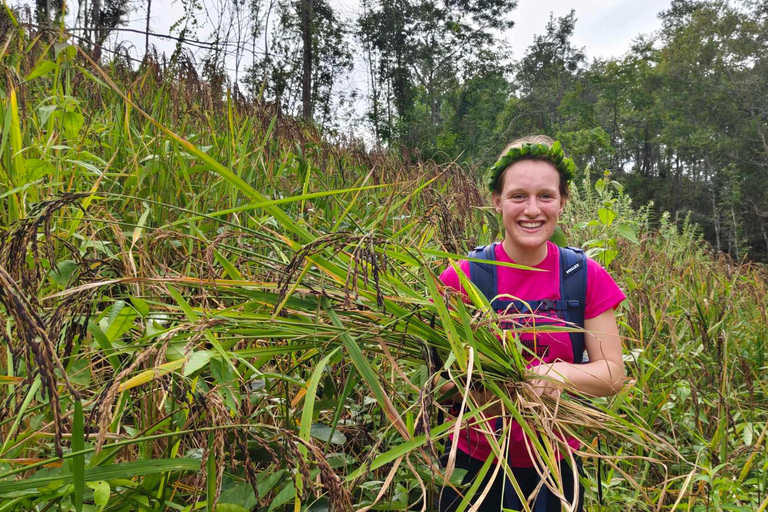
[533, 151]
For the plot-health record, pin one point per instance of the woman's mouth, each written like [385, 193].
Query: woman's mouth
[531, 225]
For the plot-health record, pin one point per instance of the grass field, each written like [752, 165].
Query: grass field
[204, 305]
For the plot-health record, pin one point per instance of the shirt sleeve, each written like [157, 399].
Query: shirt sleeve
[602, 291]
[451, 279]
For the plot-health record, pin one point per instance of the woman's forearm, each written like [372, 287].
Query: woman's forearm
[597, 378]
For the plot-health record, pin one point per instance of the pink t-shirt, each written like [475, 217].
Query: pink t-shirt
[602, 294]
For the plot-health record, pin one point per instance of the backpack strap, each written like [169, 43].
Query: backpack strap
[573, 291]
[483, 275]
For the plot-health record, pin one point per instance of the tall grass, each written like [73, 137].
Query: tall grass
[206, 305]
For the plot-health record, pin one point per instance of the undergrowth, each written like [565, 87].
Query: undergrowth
[207, 305]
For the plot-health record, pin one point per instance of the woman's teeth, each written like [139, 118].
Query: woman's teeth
[531, 225]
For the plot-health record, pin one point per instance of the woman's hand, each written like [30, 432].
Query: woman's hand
[549, 378]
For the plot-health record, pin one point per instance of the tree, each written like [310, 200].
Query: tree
[281, 68]
[421, 48]
[549, 69]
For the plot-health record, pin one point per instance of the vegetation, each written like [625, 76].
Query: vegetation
[208, 306]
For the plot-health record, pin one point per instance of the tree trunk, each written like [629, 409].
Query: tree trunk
[646, 169]
[717, 220]
[761, 223]
[306, 81]
[96, 26]
[146, 39]
[735, 234]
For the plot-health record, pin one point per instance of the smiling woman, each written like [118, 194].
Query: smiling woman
[530, 204]
[530, 188]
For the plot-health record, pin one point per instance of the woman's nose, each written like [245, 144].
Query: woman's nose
[532, 207]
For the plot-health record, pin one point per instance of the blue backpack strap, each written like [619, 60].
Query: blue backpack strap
[483, 275]
[573, 294]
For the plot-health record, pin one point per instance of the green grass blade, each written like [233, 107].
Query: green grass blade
[20, 414]
[78, 461]
[211, 474]
[126, 470]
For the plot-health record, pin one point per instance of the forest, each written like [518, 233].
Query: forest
[218, 265]
[679, 117]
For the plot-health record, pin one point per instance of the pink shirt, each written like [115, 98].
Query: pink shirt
[602, 294]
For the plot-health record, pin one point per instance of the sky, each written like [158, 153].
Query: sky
[605, 28]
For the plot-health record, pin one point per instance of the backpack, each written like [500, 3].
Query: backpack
[573, 289]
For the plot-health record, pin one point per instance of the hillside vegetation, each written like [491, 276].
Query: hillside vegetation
[205, 305]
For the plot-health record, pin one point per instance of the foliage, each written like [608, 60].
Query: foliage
[213, 307]
[420, 48]
[276, 76]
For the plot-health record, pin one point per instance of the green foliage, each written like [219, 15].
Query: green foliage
[241, 315]
[612, 218]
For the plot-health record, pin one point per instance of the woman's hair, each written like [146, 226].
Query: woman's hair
[530, 139]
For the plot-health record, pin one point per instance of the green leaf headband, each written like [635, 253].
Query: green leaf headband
[533, 151]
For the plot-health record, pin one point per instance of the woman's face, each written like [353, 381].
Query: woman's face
[530, 204]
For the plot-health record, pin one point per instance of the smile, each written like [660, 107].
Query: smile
[531, 225]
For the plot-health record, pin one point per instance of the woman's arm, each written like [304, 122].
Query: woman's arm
[602, 376]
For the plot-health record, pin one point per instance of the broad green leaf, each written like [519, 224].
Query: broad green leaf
[141, 306]
[197, 360]
[241, 493]
[600, 186]
[284, 496]
[558, 237]
[606, 216]
[121, 320]
[63, 272]
[45, 112]
[267, 484]
[37, 168]
[747, 434]
[229, 268]
[101, 493]
[72, 122]
[43, 68]
[59, 47]
[229, 507]
[104, 343]
[627, 232]
[323, 433]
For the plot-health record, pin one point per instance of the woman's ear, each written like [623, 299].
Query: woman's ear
[496, 199]
[563, 200]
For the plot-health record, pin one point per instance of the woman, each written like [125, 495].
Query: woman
[530, 187]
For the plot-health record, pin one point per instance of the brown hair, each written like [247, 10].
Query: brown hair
[530, 139]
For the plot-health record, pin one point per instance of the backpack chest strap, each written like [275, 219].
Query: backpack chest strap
[533, 306]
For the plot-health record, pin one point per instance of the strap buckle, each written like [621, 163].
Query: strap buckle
[548, 304]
